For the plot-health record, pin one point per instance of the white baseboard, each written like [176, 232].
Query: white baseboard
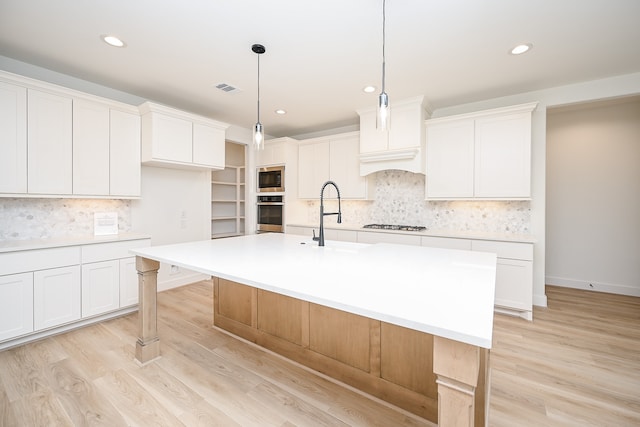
[593, 286]
[540, 300]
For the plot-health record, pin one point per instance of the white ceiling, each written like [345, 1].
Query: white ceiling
[320, 54]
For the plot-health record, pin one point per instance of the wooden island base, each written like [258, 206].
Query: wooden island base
[435, 378]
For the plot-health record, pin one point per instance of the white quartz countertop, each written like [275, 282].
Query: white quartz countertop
[449, 293]
[31, 244]
[456, 234]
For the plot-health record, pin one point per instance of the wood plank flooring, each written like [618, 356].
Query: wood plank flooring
[577, 364]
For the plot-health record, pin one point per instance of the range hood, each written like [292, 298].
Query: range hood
[402, 146]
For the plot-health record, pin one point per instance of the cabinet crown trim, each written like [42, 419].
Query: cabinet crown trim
[405, 154]
[150, 107]
[520, 108]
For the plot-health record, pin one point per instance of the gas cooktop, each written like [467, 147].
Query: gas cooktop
[395, 227]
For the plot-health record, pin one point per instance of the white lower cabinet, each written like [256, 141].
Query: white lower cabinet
[402, 239]
[446, 243]
[513, 279]
[56, 296]
[47, 290]
[16, 305]
[514, 275]
[128, 282]
[100, 287]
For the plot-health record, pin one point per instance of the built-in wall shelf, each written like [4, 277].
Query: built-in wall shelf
[227, 195]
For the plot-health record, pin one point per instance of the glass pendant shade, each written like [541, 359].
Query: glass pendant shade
[258, 136]
[384, 112]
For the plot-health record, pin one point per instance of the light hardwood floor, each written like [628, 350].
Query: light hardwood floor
[577, 364]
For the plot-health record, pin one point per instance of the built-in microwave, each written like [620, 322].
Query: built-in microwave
[270, 179]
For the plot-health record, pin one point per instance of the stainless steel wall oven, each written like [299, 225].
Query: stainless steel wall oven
[270, 213]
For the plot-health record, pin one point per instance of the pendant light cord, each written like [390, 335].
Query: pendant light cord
[383, 41]
[258, 88]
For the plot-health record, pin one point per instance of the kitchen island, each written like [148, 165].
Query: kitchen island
[410, 325]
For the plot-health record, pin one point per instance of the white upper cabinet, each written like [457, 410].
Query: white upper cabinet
[50, 143]
[331, 158]
[90, 148]
[343, 166]
[503, 156]
[124, 154]
[450, 159]
[176, 139]
[399, 147]
[63, 143]
[13, 138]
[485, 155]
[207, 149]
[106, 151]
[314, 169]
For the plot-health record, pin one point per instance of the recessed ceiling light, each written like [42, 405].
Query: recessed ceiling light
[112, 40]
[369, 89]
[521, 48]
[281, 111]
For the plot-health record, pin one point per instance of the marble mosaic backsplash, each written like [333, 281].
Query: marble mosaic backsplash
[47, 218]
[399, 199]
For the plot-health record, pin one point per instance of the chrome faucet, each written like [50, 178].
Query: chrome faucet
[320, 238]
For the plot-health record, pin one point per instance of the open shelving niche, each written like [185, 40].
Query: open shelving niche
[227, 195]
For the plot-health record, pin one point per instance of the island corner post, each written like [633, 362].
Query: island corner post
[148, 344]
[462, 369]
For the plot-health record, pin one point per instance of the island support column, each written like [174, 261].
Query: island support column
[462, 371]
[148, 344]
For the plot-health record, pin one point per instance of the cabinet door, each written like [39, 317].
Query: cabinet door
[49, 141]
[371, 139]
[313, 170]
[514, 284]
[172, 138]
[56, 296]
[100, 287]
[124, 154]
[13, 139]
[406, 129]
[344, 167]
[90, 148]
[450, 159]
[208, 146]
[128, 282]
[16, 305]
[503, 156]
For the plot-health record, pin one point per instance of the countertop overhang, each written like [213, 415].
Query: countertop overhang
[448, 293]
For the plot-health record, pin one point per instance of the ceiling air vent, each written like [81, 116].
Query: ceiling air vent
[227, 88]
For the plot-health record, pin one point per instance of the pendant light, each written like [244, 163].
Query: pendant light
[382, 117]
[258, 129]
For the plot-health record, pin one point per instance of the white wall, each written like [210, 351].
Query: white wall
[593, 197]
[175, 207]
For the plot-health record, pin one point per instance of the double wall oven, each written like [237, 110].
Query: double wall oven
[270, 199]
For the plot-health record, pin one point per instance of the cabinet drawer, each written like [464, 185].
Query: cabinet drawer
[446, 243]
[38, 259]
[112, 250]
[511, 250]
[402, 239]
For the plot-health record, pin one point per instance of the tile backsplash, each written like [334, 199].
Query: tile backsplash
[46, 218]
[399, 199]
